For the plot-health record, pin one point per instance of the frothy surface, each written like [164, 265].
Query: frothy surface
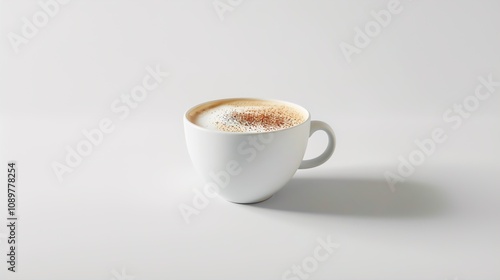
[247, 115]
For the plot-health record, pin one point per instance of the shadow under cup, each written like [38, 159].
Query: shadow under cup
[249, 167]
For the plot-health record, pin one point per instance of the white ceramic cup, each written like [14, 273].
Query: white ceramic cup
[249, 167]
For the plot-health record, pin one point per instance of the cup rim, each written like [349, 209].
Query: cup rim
[296, 106]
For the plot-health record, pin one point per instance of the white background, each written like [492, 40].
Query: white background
[116, 215]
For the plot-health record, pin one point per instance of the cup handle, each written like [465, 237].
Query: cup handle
[315, 126]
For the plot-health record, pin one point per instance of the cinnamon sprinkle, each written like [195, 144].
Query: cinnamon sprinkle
[267, 119]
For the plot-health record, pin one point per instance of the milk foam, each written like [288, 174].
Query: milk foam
[248, 116]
